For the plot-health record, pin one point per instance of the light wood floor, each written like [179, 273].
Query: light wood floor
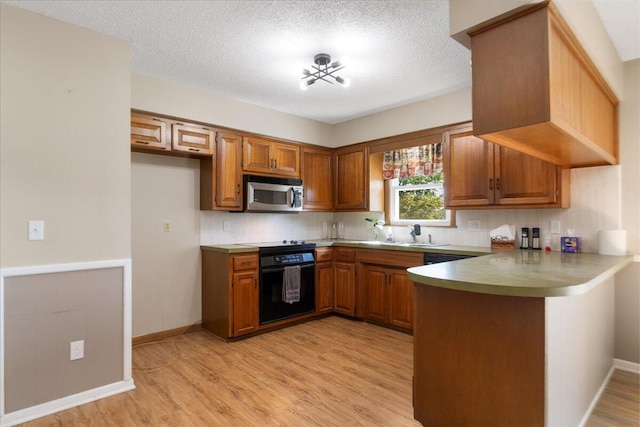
[329, 372]
[619, 405]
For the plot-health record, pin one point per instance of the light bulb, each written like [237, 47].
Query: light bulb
[343, 82]
[304, 85]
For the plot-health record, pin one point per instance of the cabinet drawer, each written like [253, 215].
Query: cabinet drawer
[324, 254]
[342, 254]
[245, 262]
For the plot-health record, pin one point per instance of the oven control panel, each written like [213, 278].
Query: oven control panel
[288, 259]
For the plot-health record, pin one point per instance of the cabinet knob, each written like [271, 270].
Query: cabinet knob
[490, 183]
[497, 183]
[238, 190]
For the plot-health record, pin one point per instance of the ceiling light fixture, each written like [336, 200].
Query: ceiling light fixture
[324, 70]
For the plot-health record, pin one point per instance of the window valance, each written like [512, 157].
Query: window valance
[415, 161]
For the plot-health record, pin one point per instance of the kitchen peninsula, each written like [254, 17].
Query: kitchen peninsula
[513, 338]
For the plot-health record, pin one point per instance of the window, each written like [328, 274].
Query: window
[418, 199]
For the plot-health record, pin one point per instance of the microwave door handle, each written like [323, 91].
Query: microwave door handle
[293, 196]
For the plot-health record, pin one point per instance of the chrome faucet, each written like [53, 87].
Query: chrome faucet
[415, 231]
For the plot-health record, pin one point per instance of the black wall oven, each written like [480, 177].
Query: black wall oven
[273, 261]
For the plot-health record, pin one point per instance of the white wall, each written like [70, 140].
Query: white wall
[449, 108]
[158, 96]
[166, 266]
[64, 155]
[628, 280]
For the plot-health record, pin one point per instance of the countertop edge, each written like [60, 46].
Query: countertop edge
[506, 290]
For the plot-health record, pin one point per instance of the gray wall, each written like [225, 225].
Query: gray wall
[44, 313]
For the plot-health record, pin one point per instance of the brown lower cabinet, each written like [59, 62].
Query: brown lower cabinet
[344, 281]
[386, 292]
[361, 283]
[324, 280]
[230, 293]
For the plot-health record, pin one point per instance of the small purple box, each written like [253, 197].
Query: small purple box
[570, 245]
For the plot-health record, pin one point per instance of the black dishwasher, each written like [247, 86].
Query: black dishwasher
[435, 258]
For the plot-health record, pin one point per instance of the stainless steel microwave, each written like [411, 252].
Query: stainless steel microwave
[271, 194]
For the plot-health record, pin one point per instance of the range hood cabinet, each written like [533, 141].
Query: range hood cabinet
[536, 90]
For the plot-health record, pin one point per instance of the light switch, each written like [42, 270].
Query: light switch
[226, 226]
[555, 227]
[36, 230]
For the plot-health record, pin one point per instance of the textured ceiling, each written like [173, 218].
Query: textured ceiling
[396, 52]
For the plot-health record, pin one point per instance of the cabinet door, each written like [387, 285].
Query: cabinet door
[377, 293]
[324, 288]
[400, 299]
[344, 285]
[524, 180]
[245, 302]
[193, 139]
[316, 164]
[228, 171]
[256, 155]
[350, 180]
[286, 159]
[468, 170]
[147, 132]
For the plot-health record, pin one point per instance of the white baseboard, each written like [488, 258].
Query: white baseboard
[596, 398]
[67, 402]
[626, 366]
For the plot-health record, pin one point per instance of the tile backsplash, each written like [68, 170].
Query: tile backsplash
[595, 205]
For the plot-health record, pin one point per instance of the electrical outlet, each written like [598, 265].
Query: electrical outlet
[555, 227]
[36, 230]
[226, 226]
[166, 226]
[76, 350]
[473, 225]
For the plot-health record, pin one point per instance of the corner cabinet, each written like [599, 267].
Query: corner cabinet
[264, 156]
[316, 178]
[536, 90]
[229, 293]
[483, 175]
[221, 175]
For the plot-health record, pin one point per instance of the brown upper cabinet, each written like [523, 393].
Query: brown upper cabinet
[149, 132]
[316, 177]
[536, 90]
[193, 138]
[357, 180]
[221, 175]
[264, 156]
[479, 174]
[170, 136]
